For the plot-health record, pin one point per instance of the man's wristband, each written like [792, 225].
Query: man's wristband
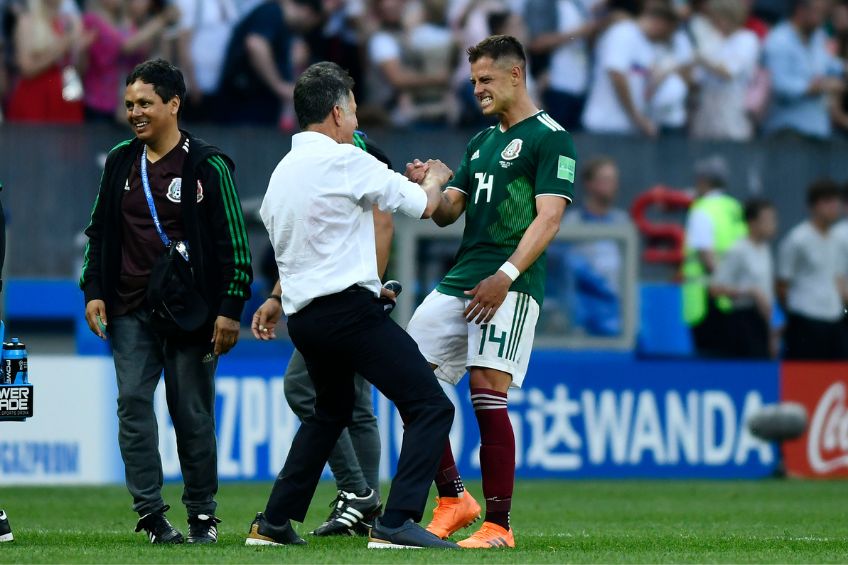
[276, 297]
[510, 270]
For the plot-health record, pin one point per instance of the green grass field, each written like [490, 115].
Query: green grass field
[555, 522]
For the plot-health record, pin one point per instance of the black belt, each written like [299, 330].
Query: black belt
[356, 288]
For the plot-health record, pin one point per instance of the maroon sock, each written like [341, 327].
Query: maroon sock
[448, 481]
[497, 453]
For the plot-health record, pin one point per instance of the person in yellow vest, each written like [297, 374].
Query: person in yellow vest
[715, 222]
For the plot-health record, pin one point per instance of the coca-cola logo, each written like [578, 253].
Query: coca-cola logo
[827, 445]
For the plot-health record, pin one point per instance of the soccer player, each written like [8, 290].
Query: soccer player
[513, 184]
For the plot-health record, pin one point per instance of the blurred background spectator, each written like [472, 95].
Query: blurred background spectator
[559, 48]
[590, 272]
[47, 47]
[142, 12]
[725, 70]
[118, 45]
[256, 84]
[839, 47]
[714, 224]
[803, 72]
[339, 39]
[745, 275]
[409, 63]
[625, 61]
[668, 89]
[204, 32]
[811, 279]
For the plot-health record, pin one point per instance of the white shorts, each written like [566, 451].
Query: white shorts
[448, 341]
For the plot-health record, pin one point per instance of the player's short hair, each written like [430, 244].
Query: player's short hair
[822, 189]
[497, 47]
[167, 80]
[321, 87]
[595, 164]
[754, 207]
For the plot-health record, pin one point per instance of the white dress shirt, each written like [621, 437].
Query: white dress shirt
[318, 211]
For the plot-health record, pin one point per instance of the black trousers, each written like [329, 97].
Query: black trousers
[348, 333]
[807, 338]
[707, 336]
[747, 335]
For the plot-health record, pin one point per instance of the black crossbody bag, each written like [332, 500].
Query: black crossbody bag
[176, 304]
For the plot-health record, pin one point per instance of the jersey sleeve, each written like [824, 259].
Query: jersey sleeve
[557, 165]
[461, 180]
[372, 182]
[460, 177]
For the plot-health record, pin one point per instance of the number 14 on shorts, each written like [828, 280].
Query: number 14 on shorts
[506, 341]
[489, 333]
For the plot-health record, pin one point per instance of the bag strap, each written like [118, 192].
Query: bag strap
[181, 247]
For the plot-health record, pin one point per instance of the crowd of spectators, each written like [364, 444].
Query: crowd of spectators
[709, 69]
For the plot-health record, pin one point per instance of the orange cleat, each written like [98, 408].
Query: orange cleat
[488, 536]
[452, 514]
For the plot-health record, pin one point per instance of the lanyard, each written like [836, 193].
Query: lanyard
[181, 246]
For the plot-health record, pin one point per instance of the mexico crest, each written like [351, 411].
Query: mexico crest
[174, 190]
[512, 150]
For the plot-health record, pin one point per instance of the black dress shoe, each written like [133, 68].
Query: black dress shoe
[408, 536]
[263, 532]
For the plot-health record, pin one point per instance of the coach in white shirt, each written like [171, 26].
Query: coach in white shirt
[318, 212]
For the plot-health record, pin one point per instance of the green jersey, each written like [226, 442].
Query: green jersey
[501, 175]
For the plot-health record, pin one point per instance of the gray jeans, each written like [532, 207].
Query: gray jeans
[141, 355]
[355, 460]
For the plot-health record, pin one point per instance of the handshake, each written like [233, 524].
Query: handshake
[418, 170]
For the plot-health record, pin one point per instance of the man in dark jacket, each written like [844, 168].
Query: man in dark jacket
[143, 178]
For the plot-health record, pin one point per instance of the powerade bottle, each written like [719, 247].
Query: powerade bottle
[15, 362]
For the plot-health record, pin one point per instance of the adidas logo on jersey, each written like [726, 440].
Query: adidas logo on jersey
[475, 155]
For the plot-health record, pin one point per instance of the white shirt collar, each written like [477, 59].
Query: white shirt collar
[317, 210]
[308, 137]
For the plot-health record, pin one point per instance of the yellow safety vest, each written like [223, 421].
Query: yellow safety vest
[726, 216]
